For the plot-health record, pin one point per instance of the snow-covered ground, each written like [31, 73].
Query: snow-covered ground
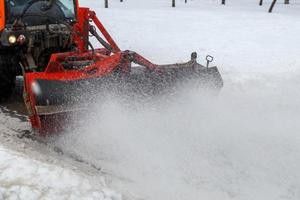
[243, 144]
[30, 170]
[25, 178]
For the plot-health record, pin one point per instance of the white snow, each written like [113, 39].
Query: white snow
[31, 171]
[24, 178]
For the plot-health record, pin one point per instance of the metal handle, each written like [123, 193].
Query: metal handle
[209, 59]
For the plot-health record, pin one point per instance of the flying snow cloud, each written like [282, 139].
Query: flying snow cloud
[241, 144]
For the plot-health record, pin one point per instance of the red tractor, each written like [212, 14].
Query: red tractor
[48, 43]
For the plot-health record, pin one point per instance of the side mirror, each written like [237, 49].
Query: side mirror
[209, 59]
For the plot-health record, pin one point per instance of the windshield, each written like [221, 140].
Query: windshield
[60, 10]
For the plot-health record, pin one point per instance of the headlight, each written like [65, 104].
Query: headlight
[12, 39]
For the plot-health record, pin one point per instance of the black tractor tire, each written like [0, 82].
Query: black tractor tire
[8, 72]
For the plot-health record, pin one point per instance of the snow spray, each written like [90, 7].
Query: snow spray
[242, 144]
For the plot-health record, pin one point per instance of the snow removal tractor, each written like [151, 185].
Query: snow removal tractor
[48, 42]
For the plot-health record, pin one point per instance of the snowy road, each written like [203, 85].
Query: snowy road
[244, 144]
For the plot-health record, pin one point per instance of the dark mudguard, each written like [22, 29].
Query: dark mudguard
[63, 96]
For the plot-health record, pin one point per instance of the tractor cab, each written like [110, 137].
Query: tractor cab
[22, 19]
[30, 32]
[39, 12]
[33, 30]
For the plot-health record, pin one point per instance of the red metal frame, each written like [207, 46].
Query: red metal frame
[105, 62]
[2, 14]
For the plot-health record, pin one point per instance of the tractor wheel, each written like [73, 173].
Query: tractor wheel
[8, 74]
